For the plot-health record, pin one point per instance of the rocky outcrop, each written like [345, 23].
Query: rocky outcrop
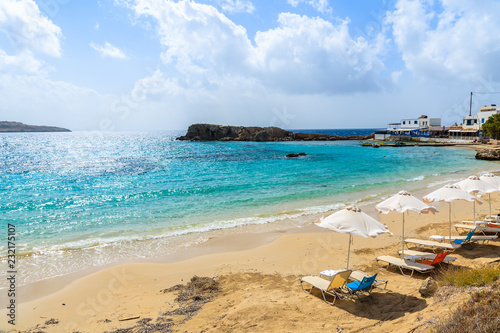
[296, 155]
[14, 126]
[428, 287]
[490, 154]
[209, 132]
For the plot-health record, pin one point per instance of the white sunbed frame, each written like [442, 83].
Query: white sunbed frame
[422, 243]
[483, 230]
[404, 264]
[326, 286]
[476, 239]
[357, 275]
[427, 255]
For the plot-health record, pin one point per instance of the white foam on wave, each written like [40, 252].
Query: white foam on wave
[415, 179]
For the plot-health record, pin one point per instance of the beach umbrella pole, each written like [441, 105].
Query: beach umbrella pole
[349, 250]
[489, 200]
[474, 208]
[450, 221]
[403, 239]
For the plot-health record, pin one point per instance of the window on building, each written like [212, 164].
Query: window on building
[404, 122]
[415, 122]
[482, 120]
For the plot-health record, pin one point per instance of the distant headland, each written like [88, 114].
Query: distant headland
[210, 132]
[14, 126]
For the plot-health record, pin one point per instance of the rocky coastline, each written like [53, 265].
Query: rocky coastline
[14, 126]
[488, 154]
[211, 132]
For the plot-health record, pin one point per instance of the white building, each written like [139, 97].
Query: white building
[476, 122]
[410, 127]
[472, 125]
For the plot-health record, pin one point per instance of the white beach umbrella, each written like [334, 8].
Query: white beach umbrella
[475, 185]
[353, 221]
[448, 194]
[402, 202]
[493, 180]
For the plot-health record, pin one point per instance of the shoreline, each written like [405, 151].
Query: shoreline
[223, 240]
[178, 247]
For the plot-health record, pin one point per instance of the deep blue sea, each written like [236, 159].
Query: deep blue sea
[90, 198]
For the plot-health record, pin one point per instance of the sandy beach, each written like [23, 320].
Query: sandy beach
[258, 274]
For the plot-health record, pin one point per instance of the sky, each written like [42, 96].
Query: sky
[298, 64]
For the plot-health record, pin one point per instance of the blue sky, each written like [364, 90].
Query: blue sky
[158, 64]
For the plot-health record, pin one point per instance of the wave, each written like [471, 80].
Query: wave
[415, 179]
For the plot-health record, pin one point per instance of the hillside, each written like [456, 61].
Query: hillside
[14, 126]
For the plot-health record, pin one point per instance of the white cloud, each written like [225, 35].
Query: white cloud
[321, 6]
[35, 99]
[27, 29]
[311, 55]
[448, 40]
[108, 50]
[236, 6]
[23, 62]
[302, 55]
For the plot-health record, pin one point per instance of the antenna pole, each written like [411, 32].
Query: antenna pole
[470, 105]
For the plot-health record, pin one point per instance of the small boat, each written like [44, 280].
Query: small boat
[376, 145]
[366, 144]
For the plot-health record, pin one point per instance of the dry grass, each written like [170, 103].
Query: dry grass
[480, 314]
[465, 277]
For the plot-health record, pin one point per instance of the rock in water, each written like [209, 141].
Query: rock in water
[296, 155]
[210, 132]
[491, 154]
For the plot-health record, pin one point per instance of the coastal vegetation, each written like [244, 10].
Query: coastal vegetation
[480, 312]
[492, 126]
[465, 277]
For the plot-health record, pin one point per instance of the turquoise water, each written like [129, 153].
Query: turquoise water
[73, 196]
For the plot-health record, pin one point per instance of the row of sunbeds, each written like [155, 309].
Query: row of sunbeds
[409, 264]
[349, 283]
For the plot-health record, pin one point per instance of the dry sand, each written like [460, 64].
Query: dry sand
[259, 279]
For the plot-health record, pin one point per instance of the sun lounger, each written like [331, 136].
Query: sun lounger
[425, 255]
[466, 241]
[363, 286]
[403, 264]
[494, 218]
[482, 229]
[356, 275]
[485, 223]
[422, 243]
[476, 239]
[331, 287]
[433, 262]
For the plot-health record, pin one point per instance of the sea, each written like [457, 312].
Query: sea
[85, 199]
